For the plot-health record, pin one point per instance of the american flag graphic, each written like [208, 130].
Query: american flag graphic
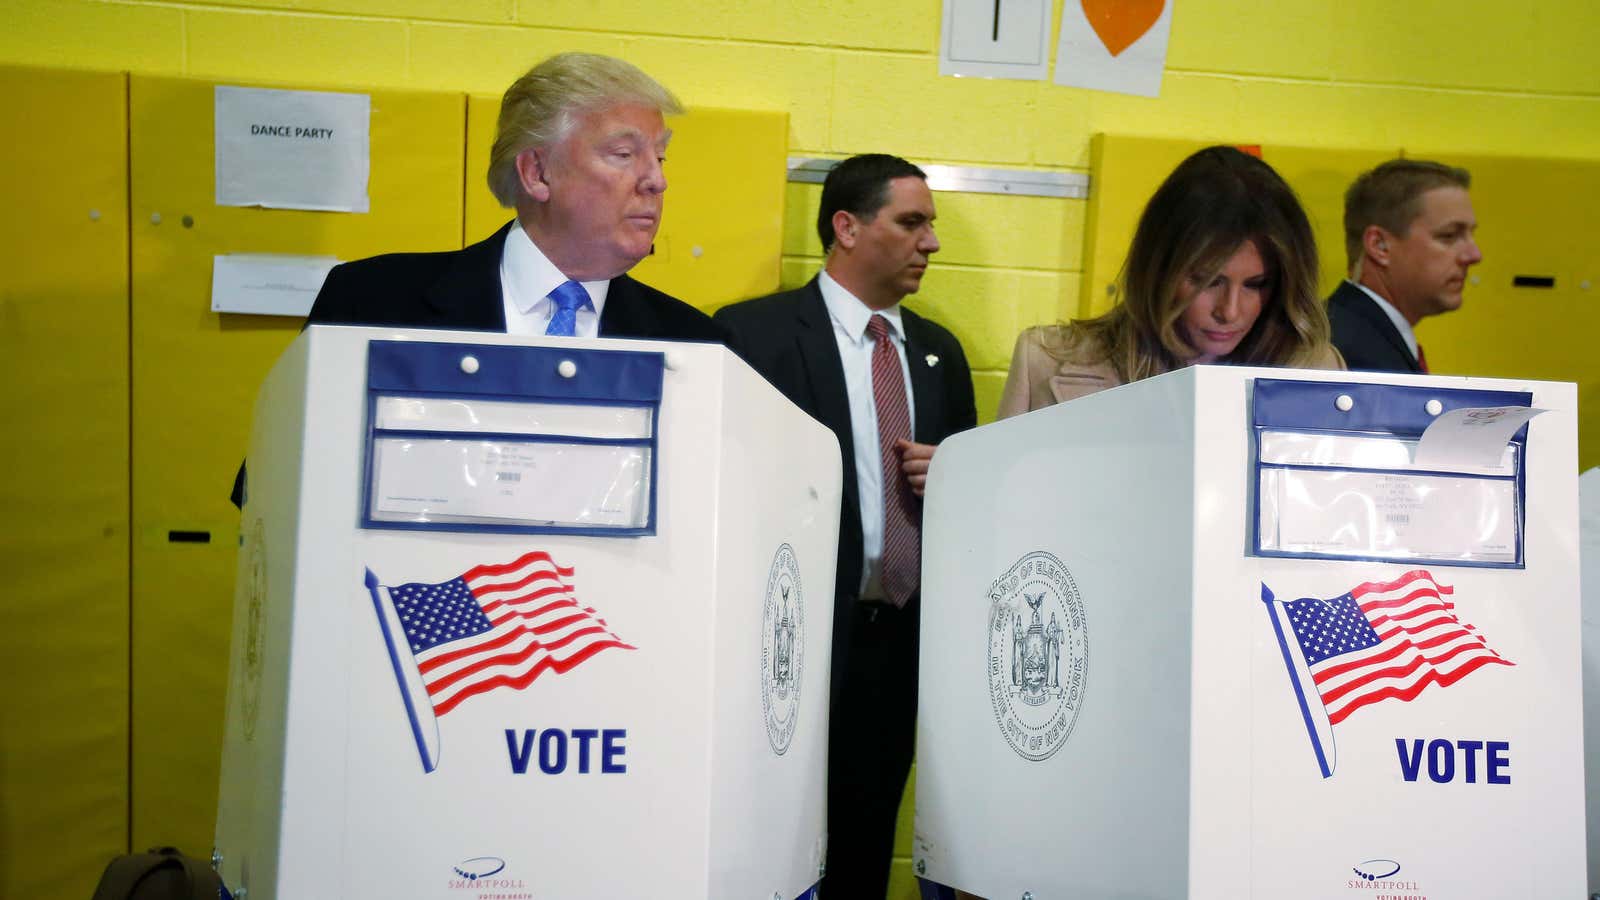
[495, 626]
[1380, 641]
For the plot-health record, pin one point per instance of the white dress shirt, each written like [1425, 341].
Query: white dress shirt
[527, 277]
[850, 316]
[1400, 323]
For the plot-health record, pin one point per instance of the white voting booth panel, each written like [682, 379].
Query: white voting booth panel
[1122, 695]
[606, 675]
[1589, 530]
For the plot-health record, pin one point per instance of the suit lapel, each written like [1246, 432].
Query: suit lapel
[926, 398]
[623, 315]
[819, 352]
[1379, 320]
[468, 295]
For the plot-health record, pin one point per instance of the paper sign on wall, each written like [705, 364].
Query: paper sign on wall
[266, 284]
[292, 149]
[995, 38]
[1114, 45]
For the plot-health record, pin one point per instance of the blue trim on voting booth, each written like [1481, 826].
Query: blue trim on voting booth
[429, 762]
[509, 437]
[506, 370]
[633, 378]
[932, 890]
[1376, 409]
[809, 893]
[1294, 679]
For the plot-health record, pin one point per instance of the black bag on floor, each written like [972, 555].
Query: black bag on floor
[160, 874]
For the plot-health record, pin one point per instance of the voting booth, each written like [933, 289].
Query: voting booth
[528, 618]
[1234, 632]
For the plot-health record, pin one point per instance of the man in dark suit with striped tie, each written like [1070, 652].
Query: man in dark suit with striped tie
[891, 385]
[1408, 230]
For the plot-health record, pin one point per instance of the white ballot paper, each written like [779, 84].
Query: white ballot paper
[1388, 515]
[1472, 438]
[510, 482]
[1386, 497]
[292, 149]
[267, 284]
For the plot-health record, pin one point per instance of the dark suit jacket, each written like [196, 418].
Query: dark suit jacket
[788, 338]
[1363, 333]
[460, 289]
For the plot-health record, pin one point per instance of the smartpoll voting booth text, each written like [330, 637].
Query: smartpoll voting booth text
[525, 618]
[1235, 632]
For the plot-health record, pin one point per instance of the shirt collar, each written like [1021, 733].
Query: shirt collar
[529, 276]
[1400, 323]
[850, 315]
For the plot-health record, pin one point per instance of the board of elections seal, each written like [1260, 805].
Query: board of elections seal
[1038, 654]
[783, 628]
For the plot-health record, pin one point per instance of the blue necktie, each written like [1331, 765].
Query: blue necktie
[568, 297]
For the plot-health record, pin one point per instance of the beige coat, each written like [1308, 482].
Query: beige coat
[1037, 379]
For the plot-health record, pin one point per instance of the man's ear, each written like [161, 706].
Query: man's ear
[531, 173]
[1375, 244]
[844, 229]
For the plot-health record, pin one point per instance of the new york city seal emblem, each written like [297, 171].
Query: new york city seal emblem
[783, 628]
[1038, 660]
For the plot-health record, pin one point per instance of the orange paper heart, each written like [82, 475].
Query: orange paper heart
[1121, 22]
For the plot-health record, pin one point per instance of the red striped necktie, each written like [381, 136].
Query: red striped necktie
[1422, 360]
[902, 518]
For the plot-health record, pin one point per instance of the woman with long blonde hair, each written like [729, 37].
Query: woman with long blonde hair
[1222, 269]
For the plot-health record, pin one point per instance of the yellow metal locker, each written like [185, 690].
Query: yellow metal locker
[195, 375]
[63, 480]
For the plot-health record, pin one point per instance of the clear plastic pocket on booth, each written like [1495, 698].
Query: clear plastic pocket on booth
[528, 439]
[1338, 477]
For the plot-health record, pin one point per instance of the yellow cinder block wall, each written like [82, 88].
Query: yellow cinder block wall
[1475, 76]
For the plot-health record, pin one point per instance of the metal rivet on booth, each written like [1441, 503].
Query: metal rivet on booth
[674, 360]
[94, 215]
[469, 365]
[567, 369]
[1344, 403]
[1434, 407]
[216, 858]
[155, 218]
[697, 251]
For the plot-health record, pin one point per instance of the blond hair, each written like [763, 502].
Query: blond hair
[541, 108]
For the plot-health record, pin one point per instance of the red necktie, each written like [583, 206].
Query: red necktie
[1422, 360]
[902, 524]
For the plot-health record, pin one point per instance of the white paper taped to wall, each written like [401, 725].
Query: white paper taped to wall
[293, 149]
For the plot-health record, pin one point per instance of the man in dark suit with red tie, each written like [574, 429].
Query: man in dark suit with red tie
[891, 385]
[1408, 227]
